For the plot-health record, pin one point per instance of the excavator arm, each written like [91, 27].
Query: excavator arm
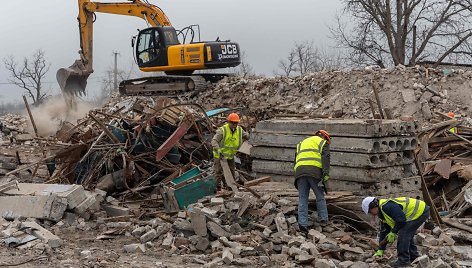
[73, 80]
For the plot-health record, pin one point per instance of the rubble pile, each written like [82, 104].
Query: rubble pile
[446, 157]
[415, 91]
[244, 229]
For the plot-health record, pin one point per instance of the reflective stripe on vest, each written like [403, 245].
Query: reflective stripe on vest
[230, 142]
[309, 152]
[413, 208]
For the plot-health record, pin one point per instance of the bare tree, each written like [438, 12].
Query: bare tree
[29, 75]
[405, 31]
[305, 58]
[107, 84]
[245, 69]
[288, 66]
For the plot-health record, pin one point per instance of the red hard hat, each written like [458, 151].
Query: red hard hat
[451, 114]
[233, 117]
[325, 134]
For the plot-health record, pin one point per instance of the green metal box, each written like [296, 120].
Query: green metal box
[187, 189]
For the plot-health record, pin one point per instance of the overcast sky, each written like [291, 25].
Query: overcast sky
[265, 30]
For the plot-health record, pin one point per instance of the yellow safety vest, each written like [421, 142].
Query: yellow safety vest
[230, 142]
[453, 130]
[309, 152]
[413, 208]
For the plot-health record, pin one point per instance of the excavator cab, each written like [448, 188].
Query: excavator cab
[151, 46]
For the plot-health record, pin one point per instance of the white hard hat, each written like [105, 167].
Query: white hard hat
[366, 202]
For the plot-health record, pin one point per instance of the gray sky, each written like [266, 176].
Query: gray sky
[265, 30]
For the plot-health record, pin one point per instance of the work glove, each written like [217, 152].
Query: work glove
[391, 237]
[379, 253]
[325, 178]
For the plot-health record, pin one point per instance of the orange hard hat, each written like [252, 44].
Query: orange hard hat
[451, 114]
[325, 134]
[233, 117]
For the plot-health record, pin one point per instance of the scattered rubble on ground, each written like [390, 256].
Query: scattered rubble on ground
[131, 184]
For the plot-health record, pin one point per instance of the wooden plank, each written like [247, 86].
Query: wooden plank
[228, 176]
[457, 224]
[257, 181]
[173, 139]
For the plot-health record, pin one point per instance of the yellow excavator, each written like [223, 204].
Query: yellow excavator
[157, 48]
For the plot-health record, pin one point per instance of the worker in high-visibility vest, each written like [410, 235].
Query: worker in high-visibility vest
[399, 219]
[452, 129]
[312, 161]
[226, 142]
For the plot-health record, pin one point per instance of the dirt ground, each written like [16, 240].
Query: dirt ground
[104, 253]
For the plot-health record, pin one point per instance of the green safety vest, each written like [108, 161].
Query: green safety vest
[413, 208]
[230, 142]
[309, 152]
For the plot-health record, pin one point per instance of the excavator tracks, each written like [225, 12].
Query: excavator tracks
[169, 86]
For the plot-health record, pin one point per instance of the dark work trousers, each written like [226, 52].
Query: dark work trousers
[406, 248]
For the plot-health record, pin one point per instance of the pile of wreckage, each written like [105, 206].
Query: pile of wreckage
[143, 167]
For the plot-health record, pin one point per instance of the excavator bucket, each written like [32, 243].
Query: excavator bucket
[73, 80]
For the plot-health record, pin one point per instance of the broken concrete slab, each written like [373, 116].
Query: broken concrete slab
[198, 221]
[339, 144]
[339, 127]
[114, 211]
[47, 237]
[348, 159]
[40, 207]
[75, 194]
[339, 172]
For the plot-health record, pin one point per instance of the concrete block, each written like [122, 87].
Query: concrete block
[41, 207]
[227, 256]
[216, 230]
[149, 236]
[44, 235]
[203, 244]
[339, 144]
[422, 262]
[446, 240]
[315, 235]
[324, 263]
[198, 221]
[85, 205]
[281, 223]
[114, 211]
[348, 159]
[133, 248]
[279, 258]
[340, 127]
[339, 172]
[304, 258]
[168, 241]
[74, 194]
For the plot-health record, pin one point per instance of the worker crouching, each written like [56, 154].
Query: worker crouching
[399, 218]
[226, 142]
[312, 162]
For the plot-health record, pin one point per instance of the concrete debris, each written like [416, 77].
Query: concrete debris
[147, 167]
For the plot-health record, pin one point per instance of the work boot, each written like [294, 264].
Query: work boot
[397, 263]
[303, 229]
[322, 223]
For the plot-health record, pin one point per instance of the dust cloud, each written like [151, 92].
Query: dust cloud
[49, 115]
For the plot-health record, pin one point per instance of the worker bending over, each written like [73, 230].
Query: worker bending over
[399, 218]
[312, 162]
